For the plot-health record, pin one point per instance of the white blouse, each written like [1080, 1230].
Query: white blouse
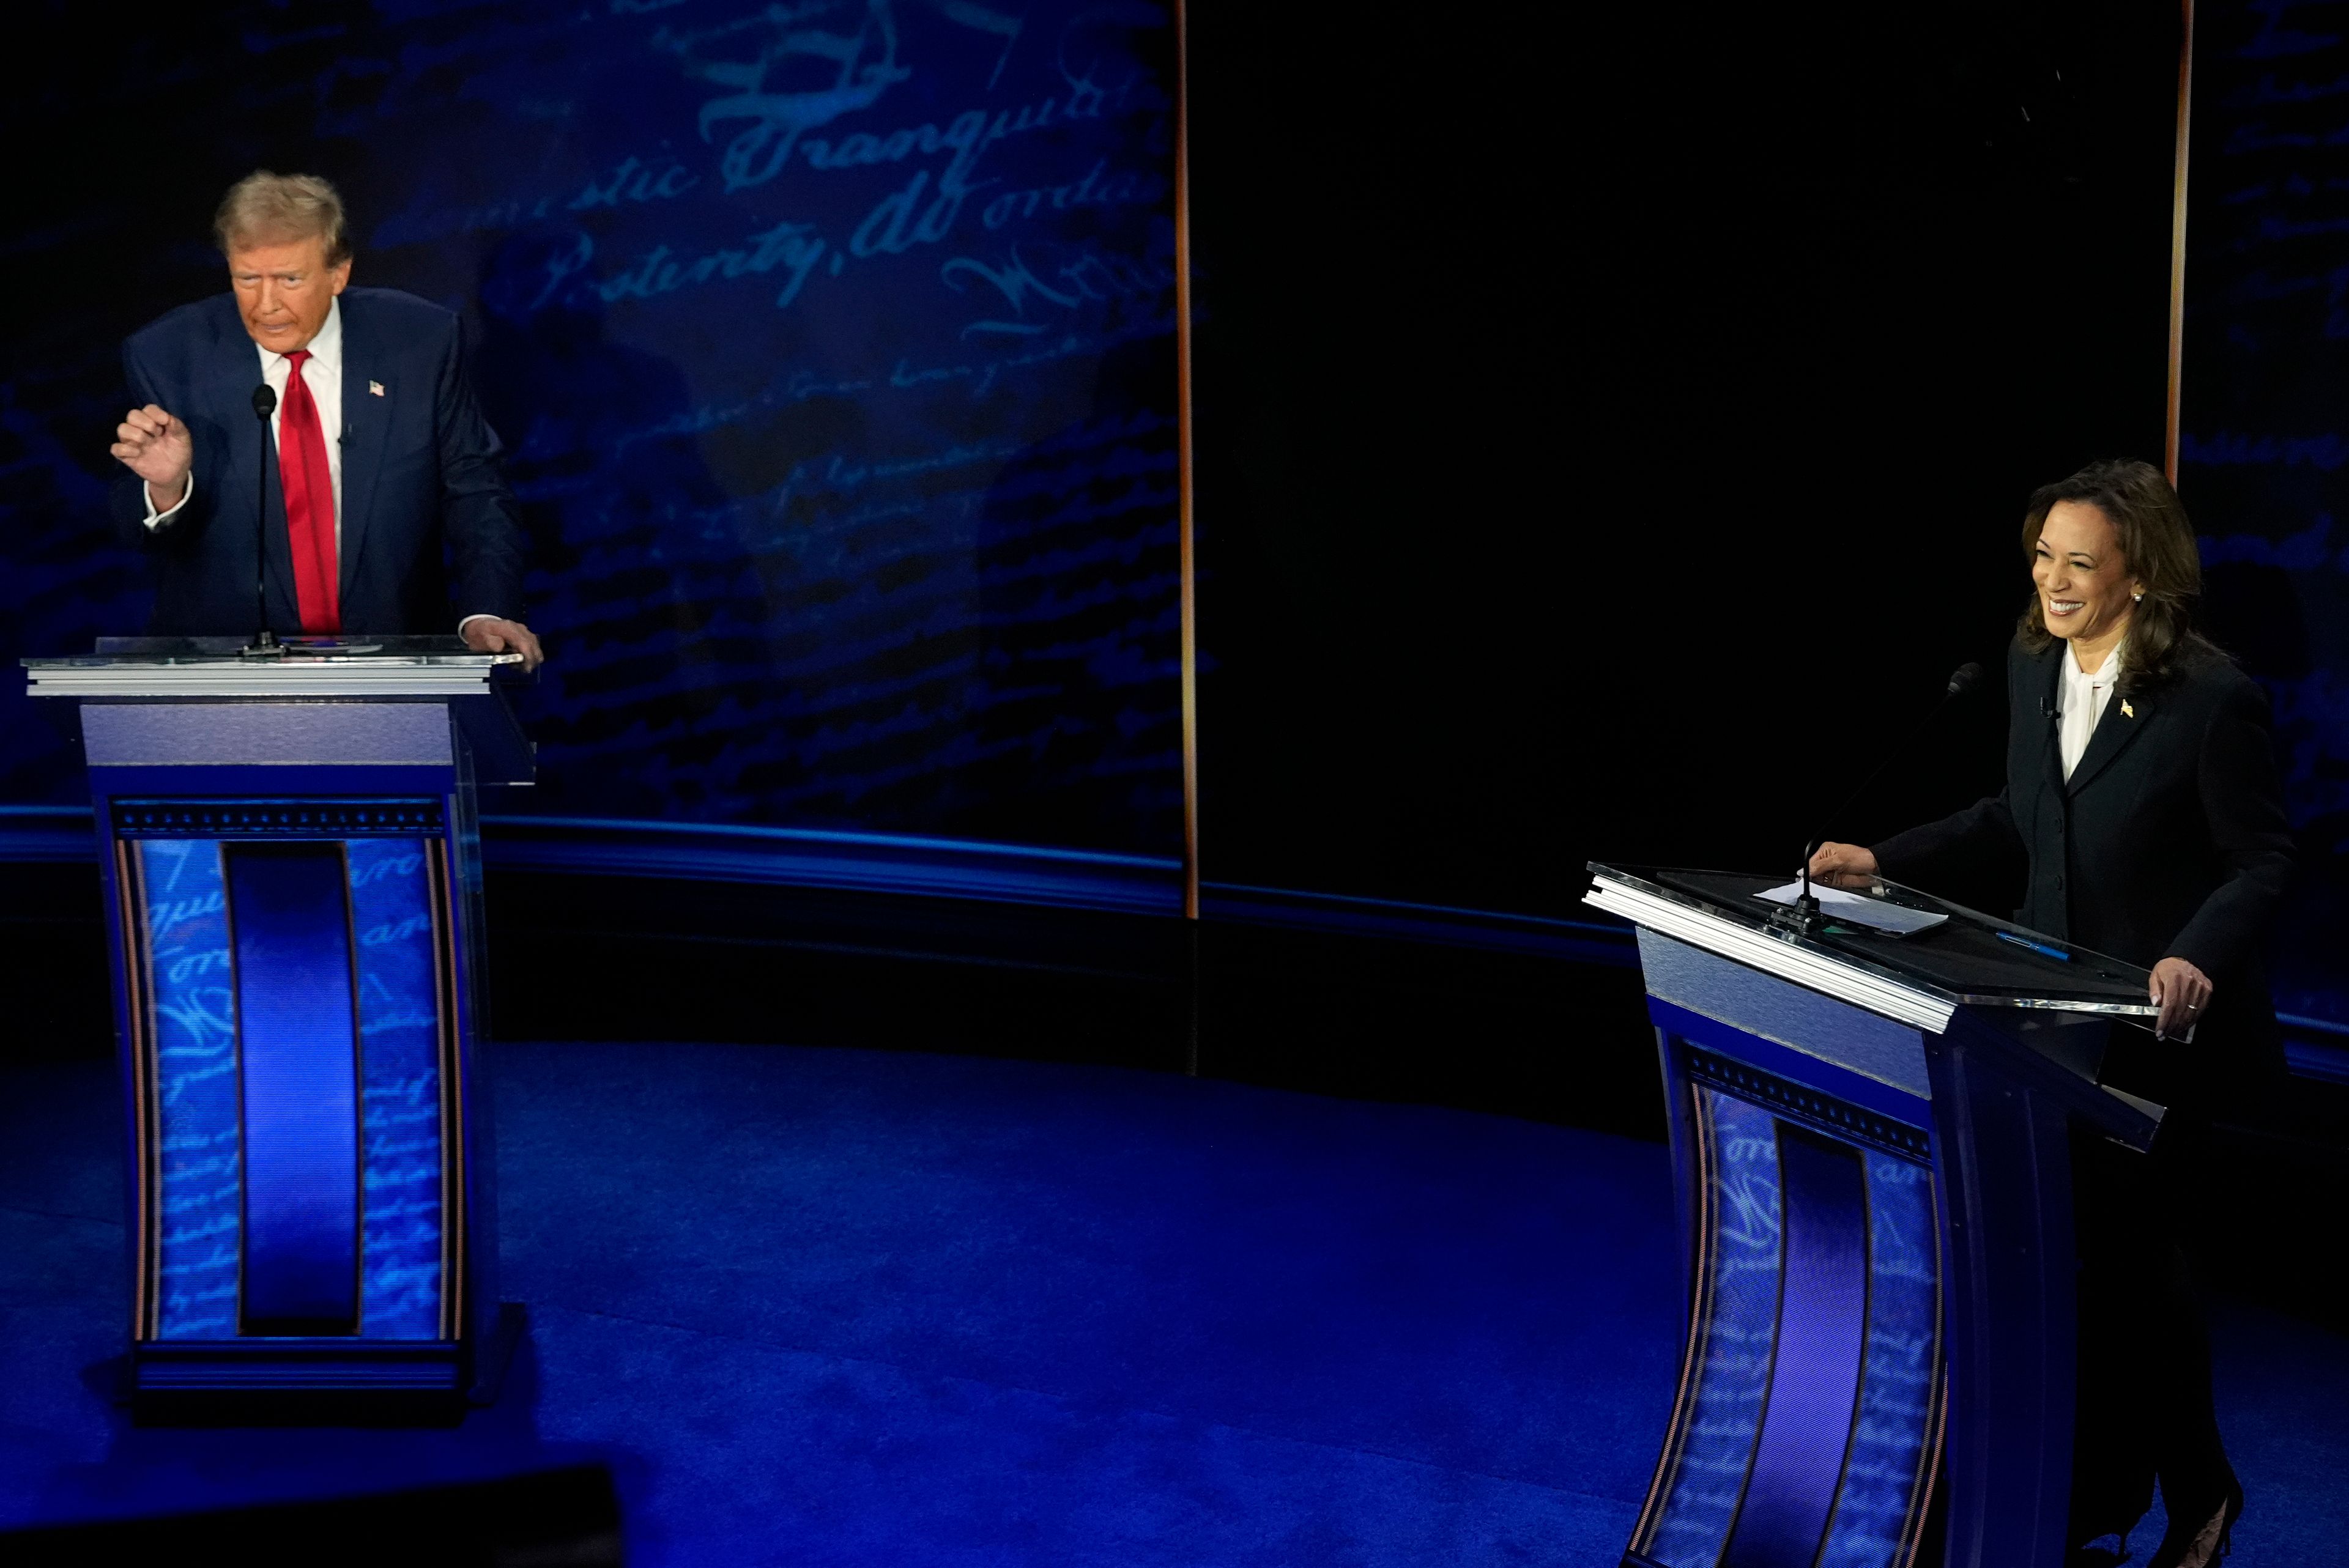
[2080, 702]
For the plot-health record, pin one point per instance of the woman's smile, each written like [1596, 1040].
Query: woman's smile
[2085, 589]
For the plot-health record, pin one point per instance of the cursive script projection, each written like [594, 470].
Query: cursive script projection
[1733, 1370]
[831, 342]
[2264, 455]
[1888, 1458]
[198, 1178]
[399, 1116]
[1890, 1441]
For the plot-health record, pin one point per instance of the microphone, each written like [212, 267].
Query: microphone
[1804, 916]
[264, 403]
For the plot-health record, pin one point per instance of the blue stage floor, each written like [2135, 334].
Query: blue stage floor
[829, 1308]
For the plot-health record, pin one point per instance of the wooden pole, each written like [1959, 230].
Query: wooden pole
[1186, 556]
[2177, 234]
[1183, 438]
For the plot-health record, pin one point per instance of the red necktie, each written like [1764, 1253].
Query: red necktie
[309, 503]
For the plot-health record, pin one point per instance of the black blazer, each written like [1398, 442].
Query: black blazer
[429, 533]
[2168, 838]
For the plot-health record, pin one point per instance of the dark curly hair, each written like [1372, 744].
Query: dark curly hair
[2157, 544]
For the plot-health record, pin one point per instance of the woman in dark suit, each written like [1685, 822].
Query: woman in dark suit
[2141, 789]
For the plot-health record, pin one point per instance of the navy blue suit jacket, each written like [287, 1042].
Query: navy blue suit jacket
[429, 532]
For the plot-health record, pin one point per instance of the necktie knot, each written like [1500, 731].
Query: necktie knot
[295, 360]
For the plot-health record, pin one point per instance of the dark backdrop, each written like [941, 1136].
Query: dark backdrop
[2265, 464]
[1611, 430]
[831, 344]
[1609, 442]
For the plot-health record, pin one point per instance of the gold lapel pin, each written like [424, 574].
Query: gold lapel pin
[2127, 711]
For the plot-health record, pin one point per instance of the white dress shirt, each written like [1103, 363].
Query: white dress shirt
[324, 377]
[323, 374]
[2080, 702]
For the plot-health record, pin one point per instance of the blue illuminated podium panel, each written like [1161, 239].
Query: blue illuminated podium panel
[1871, 1148]
[292, 875]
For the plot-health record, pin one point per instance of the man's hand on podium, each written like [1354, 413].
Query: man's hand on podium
[490, 635]
[1843, 865]
[156, 446]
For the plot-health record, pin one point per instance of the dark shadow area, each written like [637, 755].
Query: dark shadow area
[583, 957]
[54, 981]
[2254, 612]
[600, 453]
[1508, 1034]
[569, 1516]
[1606, 451]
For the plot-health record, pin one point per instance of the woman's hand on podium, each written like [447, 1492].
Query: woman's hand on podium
[1843, 865]
[2183, 993]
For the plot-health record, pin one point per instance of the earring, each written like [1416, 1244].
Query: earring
[2137, 597]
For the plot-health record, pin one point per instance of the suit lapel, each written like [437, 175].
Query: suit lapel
[366, 418]
[2051, 751]
[2122, 721]
[235, 371]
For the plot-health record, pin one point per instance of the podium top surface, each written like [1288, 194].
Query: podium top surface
[1919, 979]
[309, 668]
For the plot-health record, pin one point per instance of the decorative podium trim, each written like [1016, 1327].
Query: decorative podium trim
[1776, 955]
[287, 678]
[311, 819]
[1791, 1101]
[259, 1365]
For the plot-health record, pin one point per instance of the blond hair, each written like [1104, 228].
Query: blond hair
[265, 207]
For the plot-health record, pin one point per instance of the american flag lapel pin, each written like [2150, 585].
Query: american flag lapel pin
[375, 387]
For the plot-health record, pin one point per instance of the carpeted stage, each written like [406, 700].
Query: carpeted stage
[843, 1308]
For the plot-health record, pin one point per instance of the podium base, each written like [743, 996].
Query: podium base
[259, 1381]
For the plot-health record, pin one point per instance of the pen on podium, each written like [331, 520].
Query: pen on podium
[2039, 947]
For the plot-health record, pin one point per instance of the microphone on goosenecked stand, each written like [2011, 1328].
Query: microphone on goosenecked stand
[1803, 917]
[264, 403]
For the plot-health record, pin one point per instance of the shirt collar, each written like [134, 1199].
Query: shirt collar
[325, 348]
[2073, 675]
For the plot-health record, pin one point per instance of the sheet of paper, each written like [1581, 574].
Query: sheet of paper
[1852, 908]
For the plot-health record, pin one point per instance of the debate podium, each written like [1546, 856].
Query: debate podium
[1870, 1142]
[292, 872]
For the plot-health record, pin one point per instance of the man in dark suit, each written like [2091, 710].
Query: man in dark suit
[386, 509]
